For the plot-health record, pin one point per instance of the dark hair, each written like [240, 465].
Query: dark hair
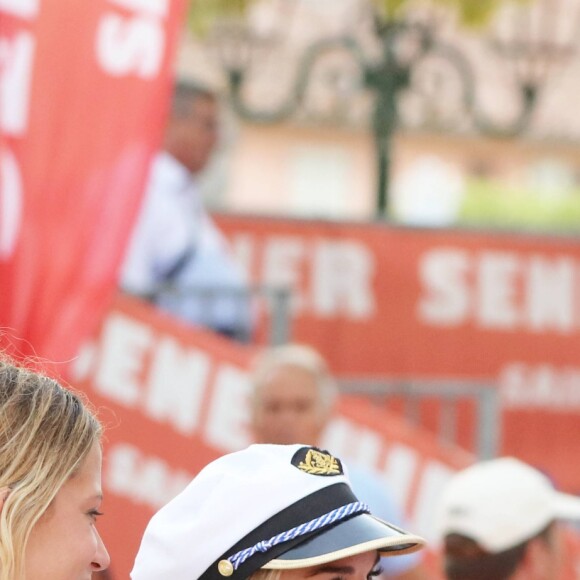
[466, 560]
[187, 92]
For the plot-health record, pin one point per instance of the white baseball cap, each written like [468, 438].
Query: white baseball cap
[502, 503]
[268, 506]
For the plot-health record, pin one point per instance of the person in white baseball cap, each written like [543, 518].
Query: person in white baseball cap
[500, 520]
[272, 512]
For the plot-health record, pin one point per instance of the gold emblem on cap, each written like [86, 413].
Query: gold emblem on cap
[225, 568]
[319, 463]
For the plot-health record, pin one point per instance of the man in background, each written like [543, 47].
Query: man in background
[293, 400]
[177, 257]
[500, 520]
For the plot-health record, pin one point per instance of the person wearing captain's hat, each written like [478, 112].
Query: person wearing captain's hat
[270, 511]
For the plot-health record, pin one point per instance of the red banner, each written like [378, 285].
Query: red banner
[401, 303]
[174, 398]
[83, 91]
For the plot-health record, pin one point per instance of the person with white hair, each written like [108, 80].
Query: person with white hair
[293, 400]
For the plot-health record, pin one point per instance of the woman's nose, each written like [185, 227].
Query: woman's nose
[102, 558]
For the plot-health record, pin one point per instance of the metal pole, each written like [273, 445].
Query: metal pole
[386, 79]
[489, 423]
[280, 316]
[383, 157]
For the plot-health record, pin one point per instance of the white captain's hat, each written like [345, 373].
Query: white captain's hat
[268, 506]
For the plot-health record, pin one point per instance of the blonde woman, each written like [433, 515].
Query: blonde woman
[50, 481]
[270, 512]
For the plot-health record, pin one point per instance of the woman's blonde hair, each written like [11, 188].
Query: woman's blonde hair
[266, 575]
[46, 431]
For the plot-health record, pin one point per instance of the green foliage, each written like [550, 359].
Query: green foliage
[489, 203]
[470, 12]
[203, 13]
[391, 9]
[475, 12]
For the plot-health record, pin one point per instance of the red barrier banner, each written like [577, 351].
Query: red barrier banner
[174, 398]
[83, 91]
[381, 301]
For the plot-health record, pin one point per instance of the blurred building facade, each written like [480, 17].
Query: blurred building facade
[321, 162]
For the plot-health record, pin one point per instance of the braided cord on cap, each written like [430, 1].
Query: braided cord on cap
[323, 521]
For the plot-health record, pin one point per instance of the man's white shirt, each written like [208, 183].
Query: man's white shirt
[168, 224]
[174, 227]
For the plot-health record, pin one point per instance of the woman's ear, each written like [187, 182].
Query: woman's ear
[4, 491]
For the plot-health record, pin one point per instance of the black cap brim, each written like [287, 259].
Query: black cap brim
[362, 533]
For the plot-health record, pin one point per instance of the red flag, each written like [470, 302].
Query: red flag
[84, 88]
